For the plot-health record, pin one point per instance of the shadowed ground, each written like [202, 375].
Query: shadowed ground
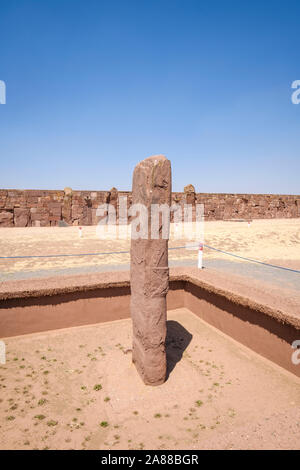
[78, 389]
[177, 340]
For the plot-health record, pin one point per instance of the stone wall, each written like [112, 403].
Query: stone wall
[43, 208]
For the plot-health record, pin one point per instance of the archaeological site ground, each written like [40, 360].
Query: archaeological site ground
[149, 232]
[107, 349]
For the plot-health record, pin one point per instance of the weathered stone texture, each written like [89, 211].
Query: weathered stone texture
[190, 195]
[21, 217]
[79, 207]
[149, 274]
[6, 219]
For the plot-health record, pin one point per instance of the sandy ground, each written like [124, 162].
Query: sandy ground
[276, 241]
[77, 389]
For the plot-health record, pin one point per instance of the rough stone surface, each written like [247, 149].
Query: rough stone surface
[6, 219]
[190, 194]
[44, 208]
[149, 274]
[21, 217]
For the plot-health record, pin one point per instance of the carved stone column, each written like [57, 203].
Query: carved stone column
[149, 273]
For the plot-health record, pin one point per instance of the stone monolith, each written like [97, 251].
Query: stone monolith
[149, 273]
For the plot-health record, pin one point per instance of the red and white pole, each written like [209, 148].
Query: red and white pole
[80, 232]
[200, 256]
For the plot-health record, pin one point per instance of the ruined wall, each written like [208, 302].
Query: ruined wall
[43, 208]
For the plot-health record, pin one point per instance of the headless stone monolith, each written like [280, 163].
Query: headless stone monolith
[149, 272]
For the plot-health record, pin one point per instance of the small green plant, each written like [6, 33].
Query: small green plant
[106, 399]
[157, 415]
[40, 417]
[104, 424]
[42, 401]
[10, 418]
[98, 387]
[52, 422]
[199, 402]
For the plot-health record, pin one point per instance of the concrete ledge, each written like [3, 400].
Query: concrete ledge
[282, 304]
[265, 319]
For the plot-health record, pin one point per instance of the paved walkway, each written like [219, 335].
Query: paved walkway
[274, 276]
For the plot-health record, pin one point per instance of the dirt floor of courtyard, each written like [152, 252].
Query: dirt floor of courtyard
[276, 241]
[78, 389]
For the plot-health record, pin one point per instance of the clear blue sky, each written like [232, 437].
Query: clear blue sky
[95, 86]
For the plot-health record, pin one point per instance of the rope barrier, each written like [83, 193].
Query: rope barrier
[77, 254]
[64, 255]
[172, 248]
[252, 260]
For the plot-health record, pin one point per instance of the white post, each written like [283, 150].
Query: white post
[200, 256]
[2, 353]
[80, 232]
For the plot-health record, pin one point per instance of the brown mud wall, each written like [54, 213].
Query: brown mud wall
[262, 333]
[43, 208]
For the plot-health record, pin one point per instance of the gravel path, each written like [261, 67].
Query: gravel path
[273, 276]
